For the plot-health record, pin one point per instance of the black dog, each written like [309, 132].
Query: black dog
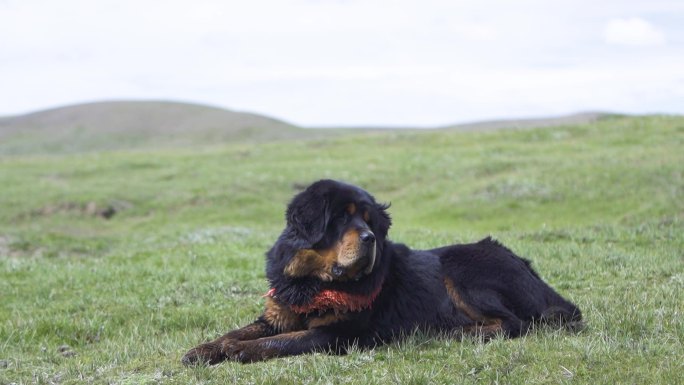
[337, 281]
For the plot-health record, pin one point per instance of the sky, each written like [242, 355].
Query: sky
[347, 62]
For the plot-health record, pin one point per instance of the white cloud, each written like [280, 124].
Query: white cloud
[632, 31]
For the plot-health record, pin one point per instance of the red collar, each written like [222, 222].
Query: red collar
[336, 300]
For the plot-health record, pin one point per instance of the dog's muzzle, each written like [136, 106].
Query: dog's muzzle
[364, 263]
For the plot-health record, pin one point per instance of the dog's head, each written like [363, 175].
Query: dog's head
[342, 229]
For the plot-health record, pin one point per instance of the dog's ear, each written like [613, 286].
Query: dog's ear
[308, 215]
[380, 220]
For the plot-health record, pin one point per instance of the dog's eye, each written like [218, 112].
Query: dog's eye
[343, 218]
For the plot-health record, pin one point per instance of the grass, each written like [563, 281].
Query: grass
[598, 208]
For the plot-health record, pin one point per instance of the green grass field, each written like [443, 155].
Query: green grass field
[598, 208]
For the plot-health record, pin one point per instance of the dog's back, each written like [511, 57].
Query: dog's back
[497, 289]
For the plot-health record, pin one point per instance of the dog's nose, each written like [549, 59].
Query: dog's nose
[367, 237]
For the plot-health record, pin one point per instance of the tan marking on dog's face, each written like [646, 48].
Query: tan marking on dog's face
[366, 216]
[281, 317]
[351, 208]
[319, 263]
[349, 248]
[352, 252]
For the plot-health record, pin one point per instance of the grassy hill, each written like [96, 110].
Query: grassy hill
[564, 120]
[134, 124]
[113, 264]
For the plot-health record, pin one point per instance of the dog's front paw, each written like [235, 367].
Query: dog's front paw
[206, 354]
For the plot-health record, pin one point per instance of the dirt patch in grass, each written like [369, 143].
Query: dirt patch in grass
[90, 208]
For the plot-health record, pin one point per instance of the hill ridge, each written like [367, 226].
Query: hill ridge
[107, 125]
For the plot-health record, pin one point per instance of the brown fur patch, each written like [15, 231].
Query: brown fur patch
[308, 262]
[325, 320]
[263, 348]
[249, 332]
[366, 216]
[458, 301]
[281, 317]
[351, 208]
[485, 326]
[486, 330]
[290, 336]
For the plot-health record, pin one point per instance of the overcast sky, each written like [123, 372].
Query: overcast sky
[364, 62]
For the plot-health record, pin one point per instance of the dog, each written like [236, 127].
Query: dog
[337, 281]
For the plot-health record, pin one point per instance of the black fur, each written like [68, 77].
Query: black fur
[490, 287]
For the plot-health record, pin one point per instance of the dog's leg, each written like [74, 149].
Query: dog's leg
[488, 303]
[214, 351]
[276, 319]
[489, 315]
[289, 344]
[565, 315]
